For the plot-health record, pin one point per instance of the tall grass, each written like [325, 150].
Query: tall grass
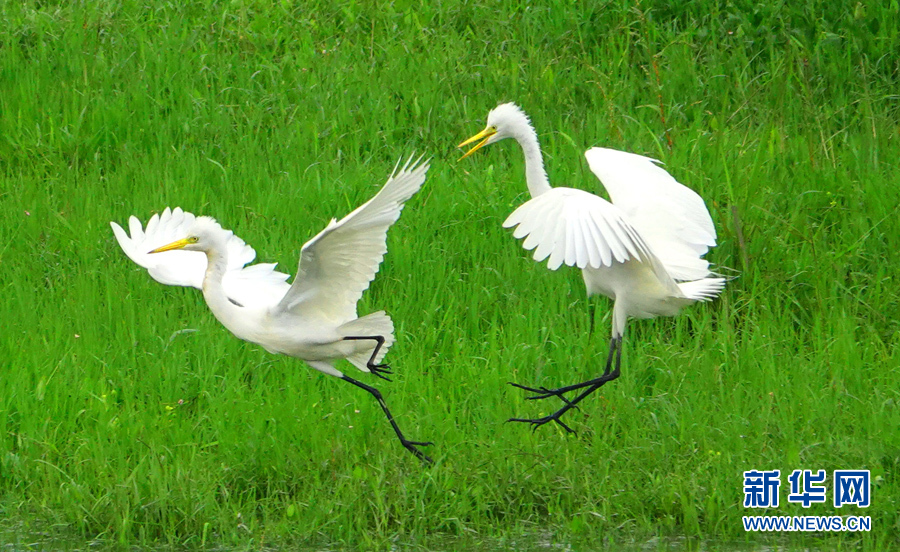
[274, 117]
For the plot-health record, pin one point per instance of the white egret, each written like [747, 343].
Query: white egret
[315, 317]
[644, 250]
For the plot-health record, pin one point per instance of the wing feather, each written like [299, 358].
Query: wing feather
[137, 230]
[530, 225]
[619, 246]
[530, 217]
[556, 244]
[592, 235]
[575, 228]
[573, 245]
[608, 238]
[670, 217]
[629, 237]
[546, 231]
[257, 285]
[338, 264]
[599, 231]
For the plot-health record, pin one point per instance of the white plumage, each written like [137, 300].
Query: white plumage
[575, 228]
[314, 318]
[670, 217]
[255, 284]
[644, 250]
[337, 265]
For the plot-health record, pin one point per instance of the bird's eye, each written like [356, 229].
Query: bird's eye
[193, 239]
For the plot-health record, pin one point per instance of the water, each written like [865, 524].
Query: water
[26, 539]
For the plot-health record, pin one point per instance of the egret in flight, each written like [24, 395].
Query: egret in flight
[315, 317]
[644, 250]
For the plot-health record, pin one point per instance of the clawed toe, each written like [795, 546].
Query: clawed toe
[542, 392]
[584, 388]
[380, 370]
[538, 422]
[526, 388]
[411, 447]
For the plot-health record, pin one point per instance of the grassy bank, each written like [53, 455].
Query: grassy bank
[115, 422]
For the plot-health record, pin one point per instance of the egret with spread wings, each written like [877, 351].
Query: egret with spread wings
[644, 250]
[315, 317]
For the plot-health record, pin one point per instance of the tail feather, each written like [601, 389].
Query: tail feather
[706, 289]
[375, 324]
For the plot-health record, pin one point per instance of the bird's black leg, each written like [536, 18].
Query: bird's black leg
[409, 445]
[615, 354]
[378, 369]
[591, 314]
[543, 392]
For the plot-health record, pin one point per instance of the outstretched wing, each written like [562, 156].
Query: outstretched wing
[253, 285]
[173, 268]
[670, 217]
[576, 228]
[337, 265]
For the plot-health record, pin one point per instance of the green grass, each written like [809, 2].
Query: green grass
[274, 117]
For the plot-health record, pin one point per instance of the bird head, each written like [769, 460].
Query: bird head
[504, 121]
[203, 235]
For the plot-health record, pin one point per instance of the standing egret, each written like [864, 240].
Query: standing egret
[644, 250]
[314, 318]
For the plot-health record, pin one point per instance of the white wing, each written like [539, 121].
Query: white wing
[253, 285]
[576, 228]
[259, 285]
[670, 217]
[174, 268]
[337, 265]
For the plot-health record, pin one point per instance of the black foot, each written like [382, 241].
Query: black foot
[411, 447]
[407, 444]
[543, 392]
[586, 388]
[538, 422]
[380, 370]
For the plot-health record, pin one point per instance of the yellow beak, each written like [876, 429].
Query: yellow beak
[485, 134]
[180, 244]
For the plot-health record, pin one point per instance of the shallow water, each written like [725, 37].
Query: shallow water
[16, 539]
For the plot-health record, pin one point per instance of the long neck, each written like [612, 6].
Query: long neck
[535, 175]
[228, 313]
